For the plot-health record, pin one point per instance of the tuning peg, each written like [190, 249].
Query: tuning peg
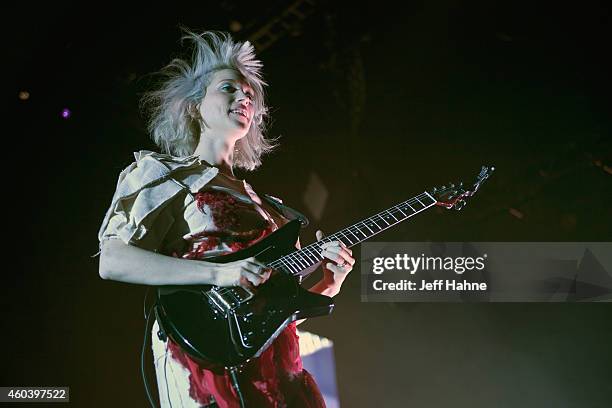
[434, 190]
[460, 204]
[451, 185]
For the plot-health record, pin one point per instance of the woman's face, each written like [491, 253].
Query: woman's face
[227, 106]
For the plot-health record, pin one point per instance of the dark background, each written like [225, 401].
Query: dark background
[380, 101]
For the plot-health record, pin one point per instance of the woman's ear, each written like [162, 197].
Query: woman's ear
[194, 110]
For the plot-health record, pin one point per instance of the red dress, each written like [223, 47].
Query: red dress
[276, 379]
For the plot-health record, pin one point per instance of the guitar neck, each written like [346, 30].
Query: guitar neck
[299, 260]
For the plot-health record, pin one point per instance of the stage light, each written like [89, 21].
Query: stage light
[235, 26]
[315, 196]
[66, 113]
[24, 95]
[516, 213]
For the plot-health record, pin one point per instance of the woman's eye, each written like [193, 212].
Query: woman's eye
[232, 88]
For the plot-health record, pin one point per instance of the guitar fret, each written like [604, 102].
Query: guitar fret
[361, 232]
[294, 268]
[298, 261]
[304, 256]
[309, 255]
[389, 212]
[310, 250]
[349, 230]
[379, 216]
[374, 222]
[342, 239]
[347, 238]
[301, 259]
[368, 227]
[408, 208]
[433, 200]
[280, 267]
[278, 263]
[314, 253]
[400, 210]
[288, 265]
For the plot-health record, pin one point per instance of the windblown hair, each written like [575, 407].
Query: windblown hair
[172, 114]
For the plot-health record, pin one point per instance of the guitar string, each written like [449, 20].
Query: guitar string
[310, 248]
[369, 222]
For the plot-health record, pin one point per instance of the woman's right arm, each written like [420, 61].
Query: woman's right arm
[131, 264]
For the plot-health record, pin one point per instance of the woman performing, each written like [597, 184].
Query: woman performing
[172, 210]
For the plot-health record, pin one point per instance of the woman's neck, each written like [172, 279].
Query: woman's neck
[218, 152]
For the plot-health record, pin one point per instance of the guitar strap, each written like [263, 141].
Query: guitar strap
[287, 211]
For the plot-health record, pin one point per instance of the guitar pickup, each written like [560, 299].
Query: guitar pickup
[226, 299]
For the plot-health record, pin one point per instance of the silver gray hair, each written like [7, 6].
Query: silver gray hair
[173, 118]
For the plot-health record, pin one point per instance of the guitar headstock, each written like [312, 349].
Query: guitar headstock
[454, 195]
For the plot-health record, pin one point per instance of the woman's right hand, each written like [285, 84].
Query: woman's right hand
[246, 273]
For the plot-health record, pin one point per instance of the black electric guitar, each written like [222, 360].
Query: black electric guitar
[226, 327]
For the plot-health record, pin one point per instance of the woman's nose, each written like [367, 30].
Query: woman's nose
[243, 96]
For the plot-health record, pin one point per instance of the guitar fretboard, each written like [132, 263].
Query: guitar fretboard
[304, 258]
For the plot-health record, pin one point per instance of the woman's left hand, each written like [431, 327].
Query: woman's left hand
[342, 260]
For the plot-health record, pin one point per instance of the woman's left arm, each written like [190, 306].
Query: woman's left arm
[337, 263]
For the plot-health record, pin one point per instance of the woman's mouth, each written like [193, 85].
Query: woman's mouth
[240, 112]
